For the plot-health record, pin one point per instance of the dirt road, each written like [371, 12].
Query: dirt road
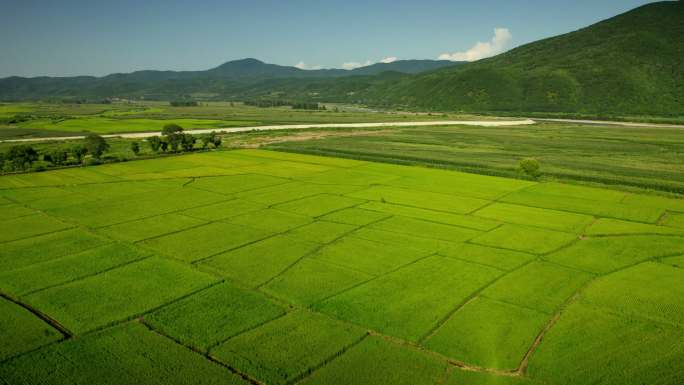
[142, 135]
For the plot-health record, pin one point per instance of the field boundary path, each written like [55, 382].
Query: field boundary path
[610, 123]
[228, 130]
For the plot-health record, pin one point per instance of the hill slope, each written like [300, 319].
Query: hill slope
[631, 63]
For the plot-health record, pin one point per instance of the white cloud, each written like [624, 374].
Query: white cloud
[303, 66]
[499, 43]
[389, 59]
[354, 64]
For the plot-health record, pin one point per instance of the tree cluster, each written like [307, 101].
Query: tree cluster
[184, 103]
[267, 103]
[307, 106]
[174, 139]
[530, 167]
[24, 157]
[284, 103]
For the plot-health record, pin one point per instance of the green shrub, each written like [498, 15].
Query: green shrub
[21, 156]
[135, 147]
[78, 151]
[96, 145]
[92, 162]
[530, 167]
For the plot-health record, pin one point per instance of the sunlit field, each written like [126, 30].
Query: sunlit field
[270, 267]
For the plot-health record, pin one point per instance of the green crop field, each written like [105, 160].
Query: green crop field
[637, 157]
[264, 267]
[64, 119]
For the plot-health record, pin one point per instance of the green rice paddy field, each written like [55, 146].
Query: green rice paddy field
[265, 267]
[62, 119]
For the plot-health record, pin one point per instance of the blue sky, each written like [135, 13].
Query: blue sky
[78, 37]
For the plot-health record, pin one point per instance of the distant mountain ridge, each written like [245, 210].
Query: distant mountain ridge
[224, 80]
[630, 64]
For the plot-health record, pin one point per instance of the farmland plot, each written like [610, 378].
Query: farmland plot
[285, 349]
[311, 280]
[605, 254]
[43, 248]
[70, 268]
[375, 361]
[488, 333]
[197, 321]
[128, 354]
[590, 345]
[118, 294]
[525, 239]
[258, 262]
[291, 268]
[545, 287]
[410, 301]
[22, 331]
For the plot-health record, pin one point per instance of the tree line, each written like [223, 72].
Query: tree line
[183, 103]
[284, 103]
[25, 157]
[174, 139]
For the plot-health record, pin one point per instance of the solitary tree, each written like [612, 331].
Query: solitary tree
[22, 156]
[96, 145]
[135, 147]
[216, 140]
[155, 143]
[78, 151]
[206, 139]
[57, 156]
[188, 142]
[530, 167]
[171, 129]
[174, 135]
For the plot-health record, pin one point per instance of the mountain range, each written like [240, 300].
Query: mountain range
[228, 80]
[630, 64]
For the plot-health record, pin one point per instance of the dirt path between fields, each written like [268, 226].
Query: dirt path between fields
[142, 135]
[610, 123]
